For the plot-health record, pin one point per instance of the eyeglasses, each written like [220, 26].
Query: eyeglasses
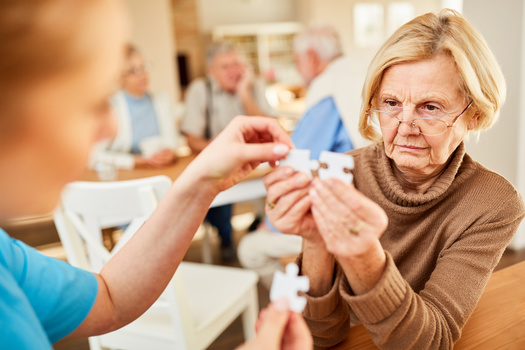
[138, 69]
[430, 123]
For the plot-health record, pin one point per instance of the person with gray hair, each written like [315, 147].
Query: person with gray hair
[230, 89]
[329, 124]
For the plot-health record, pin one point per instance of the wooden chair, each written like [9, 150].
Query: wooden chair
[199, 303]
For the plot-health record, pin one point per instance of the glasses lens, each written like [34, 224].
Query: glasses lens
[430, 126]
[384, 119]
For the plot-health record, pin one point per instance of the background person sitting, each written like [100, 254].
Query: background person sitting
[146, 134]
[329, 76]
[211, 103]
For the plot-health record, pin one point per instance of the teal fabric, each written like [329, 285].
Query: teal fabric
[41, 299]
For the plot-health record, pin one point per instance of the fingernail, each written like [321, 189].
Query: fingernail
[313, 192]
[281, 150]
[318, 184]
[281, 304]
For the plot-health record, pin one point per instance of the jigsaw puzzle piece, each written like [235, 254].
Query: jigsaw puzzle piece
[336, 165]
[299, 160]
[288, 285]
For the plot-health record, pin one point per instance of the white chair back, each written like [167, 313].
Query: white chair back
[200, 301]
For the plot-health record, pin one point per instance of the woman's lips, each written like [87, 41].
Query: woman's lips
[410, 148]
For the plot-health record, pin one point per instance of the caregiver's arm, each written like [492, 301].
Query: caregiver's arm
[134, 278]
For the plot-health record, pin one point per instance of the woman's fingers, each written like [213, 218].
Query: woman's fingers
[297, 335]
[277, 175]
[359, 204]
[284, 185]
[257, 128]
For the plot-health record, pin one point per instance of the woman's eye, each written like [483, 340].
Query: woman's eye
[431, 108]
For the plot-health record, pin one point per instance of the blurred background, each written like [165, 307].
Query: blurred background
[173, 35]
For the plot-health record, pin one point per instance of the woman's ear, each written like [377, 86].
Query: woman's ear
[474, 121]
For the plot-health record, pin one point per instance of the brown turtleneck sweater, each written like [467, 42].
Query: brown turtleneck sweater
[441, 249]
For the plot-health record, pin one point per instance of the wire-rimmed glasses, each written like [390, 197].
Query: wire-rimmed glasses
[428, 126]
[145, 67]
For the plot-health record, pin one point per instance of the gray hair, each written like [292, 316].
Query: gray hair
[321, 38]
[216, 48]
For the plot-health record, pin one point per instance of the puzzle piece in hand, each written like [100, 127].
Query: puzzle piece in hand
[299, 160]
[287, 285]
[336, 165]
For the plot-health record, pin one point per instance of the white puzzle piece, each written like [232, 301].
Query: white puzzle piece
[288, 285]
[299, 160]
[336, 165]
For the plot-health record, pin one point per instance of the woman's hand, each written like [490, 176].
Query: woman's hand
[162, 158]
[348, 221]
[280, 329]
[288, 203]
[350, 225]
[244, 144]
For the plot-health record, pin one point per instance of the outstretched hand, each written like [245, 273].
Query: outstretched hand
[280, 329]
[241, 147]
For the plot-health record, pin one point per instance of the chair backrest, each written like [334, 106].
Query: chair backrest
[88, 207]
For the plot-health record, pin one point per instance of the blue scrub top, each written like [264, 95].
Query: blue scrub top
[41, 299]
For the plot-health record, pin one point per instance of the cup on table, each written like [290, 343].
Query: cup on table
[106, 171]
[151, 145]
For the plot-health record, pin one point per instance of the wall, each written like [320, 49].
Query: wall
[339, 13]
[221, 12]
[190, 40]
[152, 32]
[500, 148]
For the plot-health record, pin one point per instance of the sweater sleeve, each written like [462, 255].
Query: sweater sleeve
[327, 316]
[399, 318]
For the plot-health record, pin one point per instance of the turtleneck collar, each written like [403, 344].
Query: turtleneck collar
[393, 191]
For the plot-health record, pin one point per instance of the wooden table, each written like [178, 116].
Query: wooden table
[173, 171]
[498, 322]
[250, 188]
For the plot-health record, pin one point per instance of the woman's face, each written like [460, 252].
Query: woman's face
[429, 85]
[62, 117]
[135, 78]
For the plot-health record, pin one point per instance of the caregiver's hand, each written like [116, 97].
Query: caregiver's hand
[288, 203]
[239, 148]
[350, 225]
[280, 329]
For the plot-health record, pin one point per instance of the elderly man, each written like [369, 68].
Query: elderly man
[329, 123]
[211, 103]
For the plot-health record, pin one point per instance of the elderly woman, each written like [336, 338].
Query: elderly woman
[146, 134]
[59, 63]
[408, 248]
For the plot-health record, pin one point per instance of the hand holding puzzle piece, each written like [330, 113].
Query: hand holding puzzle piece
[287, 285]
[329, 165]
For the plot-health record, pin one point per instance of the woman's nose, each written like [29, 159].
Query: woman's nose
[407, 125]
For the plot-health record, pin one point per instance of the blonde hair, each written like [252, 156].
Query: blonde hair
[427, 36]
